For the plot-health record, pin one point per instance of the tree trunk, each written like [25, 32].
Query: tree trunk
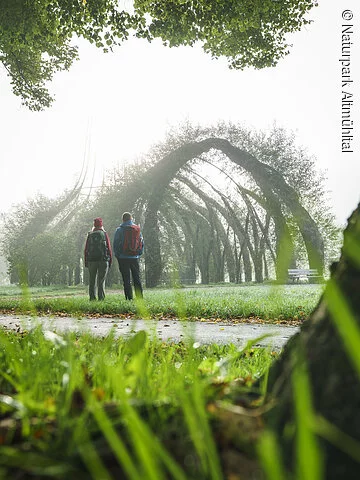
[77, 279]
[266, 269]
[247, 264]
[205, 271]
[237, 258]
[334, 379]
[153, 265]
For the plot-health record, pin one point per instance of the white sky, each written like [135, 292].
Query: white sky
[111, 107]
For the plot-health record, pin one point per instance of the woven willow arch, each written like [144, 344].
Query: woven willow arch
[275, 190]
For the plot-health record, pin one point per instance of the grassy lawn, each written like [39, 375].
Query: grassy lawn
[84, 407]
[262, 303]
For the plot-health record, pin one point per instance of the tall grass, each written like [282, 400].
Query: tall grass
[139, 408]
[80, 406]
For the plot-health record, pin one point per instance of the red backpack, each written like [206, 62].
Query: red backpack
[132, 244]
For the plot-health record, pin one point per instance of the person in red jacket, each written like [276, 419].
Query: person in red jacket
[98, 258]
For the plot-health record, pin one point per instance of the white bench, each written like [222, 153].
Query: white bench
[298, 273]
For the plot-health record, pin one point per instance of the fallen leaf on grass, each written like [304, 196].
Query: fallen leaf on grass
[99, 393]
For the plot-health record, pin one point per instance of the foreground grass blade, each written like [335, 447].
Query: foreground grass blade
[200, 432]
[308, 453]
[341, 440]
[35, 464]
[352, 248]
[115, 442]
[90, 455]
[344, 321]
[150, 450]
[270, 457]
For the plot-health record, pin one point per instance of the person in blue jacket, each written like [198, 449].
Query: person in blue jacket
[128, 246]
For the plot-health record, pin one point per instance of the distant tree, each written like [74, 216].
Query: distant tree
[245, 212]
[279, 148]
[51, 258]
[36, 36]
[4, 277]
[38, 242]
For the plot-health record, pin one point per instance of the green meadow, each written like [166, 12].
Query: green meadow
[79, 406]
[266, 303]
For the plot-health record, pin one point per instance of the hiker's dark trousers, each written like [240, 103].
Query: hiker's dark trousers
[131, 267]
[97, 274]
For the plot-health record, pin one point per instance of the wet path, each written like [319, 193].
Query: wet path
[167, 330]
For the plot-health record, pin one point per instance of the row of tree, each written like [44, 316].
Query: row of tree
[216, 204]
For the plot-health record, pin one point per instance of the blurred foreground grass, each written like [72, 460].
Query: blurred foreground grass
[83, 407]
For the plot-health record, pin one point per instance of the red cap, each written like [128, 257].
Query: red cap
[98, 222]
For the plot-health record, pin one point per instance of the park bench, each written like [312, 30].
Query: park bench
[295, 274]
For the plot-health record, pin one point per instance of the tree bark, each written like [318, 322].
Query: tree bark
[153, 264]
[334, 379]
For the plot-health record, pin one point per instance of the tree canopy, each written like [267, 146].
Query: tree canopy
[37, 36]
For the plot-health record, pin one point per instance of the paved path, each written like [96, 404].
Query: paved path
[175, 330]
